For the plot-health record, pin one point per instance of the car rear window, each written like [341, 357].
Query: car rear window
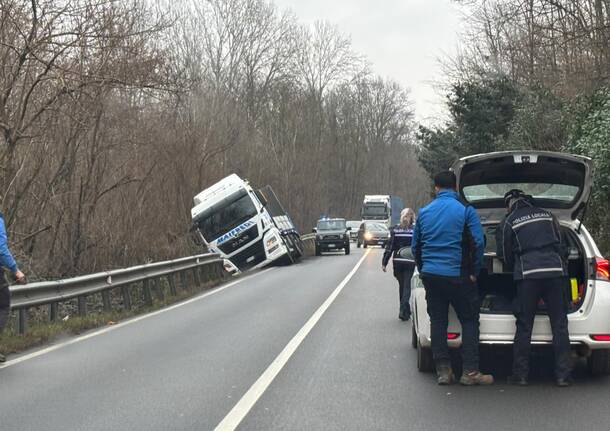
[557, 192]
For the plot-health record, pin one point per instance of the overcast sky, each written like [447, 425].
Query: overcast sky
[403, 39]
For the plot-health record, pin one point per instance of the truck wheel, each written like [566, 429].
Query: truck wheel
[599, 362]
[364, 244]
[413, 334]
[299, 246]
[318, 252]
[425, 362]
[347, 248]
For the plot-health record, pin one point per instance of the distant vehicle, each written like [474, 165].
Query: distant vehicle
[562, 184]
[354, 225]
[384, 209]
[249, 227]
[372, 233]
[332, 234]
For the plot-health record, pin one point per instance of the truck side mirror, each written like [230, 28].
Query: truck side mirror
[315, 230]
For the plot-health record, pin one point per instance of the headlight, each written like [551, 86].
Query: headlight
[319, 237]
[271, 241]
[368, 236]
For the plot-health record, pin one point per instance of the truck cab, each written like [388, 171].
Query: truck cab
[234, 220]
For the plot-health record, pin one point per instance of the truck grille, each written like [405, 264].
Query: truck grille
[249, 257]
[245, 237]
[331, 237]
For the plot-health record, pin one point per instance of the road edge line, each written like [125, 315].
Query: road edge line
[237, 414]
[130, 321]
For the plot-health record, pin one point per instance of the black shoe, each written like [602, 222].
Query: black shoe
[444, 376]
[517, 381]
[563, 383]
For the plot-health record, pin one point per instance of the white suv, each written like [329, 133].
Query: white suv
[560, 183]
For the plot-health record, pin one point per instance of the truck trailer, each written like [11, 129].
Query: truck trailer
[246, 226]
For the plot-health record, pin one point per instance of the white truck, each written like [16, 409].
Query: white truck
[246, 226]
[384, 209]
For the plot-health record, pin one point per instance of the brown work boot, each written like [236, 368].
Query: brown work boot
[444, 376]
[472, 378]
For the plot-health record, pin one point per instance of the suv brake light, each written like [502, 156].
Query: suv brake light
[602, 270]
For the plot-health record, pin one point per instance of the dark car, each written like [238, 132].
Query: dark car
[354, 225]
[372, 233]
[332, 234]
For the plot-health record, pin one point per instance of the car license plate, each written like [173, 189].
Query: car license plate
[331, 245]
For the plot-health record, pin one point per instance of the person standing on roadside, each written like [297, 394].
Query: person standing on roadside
[400, 237]
[529, 241]
[6, 262]
[448, 246]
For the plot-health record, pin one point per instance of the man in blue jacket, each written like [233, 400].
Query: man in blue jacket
[6, 262]
[448, 246]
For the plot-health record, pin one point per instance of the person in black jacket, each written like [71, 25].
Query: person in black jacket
[529, 241]
[400, 236]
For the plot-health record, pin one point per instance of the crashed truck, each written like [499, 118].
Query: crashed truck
[247, 227]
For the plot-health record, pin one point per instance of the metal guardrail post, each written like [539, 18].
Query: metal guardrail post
[171, 280]
[22, 322]
[146, 292]
[126, 297]
[196, 278]
[183, 280]
[53, 311]
[106, 300]
[158, 288]
[82, 305]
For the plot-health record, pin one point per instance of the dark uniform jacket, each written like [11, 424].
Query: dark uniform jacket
[399, 237]
[529, 241]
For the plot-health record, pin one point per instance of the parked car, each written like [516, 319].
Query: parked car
[354, 225]
[332, 234]
[372, 233]
[560, 183]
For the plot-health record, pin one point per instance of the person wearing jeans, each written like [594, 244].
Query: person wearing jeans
[6, 262]
[448, 246]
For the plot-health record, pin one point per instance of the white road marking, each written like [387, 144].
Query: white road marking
[107, 329]
[245, 404]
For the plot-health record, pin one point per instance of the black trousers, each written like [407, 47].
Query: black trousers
[403, 274]
[462, 294]
[529, 292]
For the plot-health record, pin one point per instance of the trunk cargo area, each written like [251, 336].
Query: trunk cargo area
[496, 287]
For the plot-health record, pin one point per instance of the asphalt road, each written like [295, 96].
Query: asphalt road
[189, 367]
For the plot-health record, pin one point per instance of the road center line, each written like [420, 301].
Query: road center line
[245, 404]
[107, 329]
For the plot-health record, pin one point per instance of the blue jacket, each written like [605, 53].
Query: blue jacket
[448, 237]
[6, 258]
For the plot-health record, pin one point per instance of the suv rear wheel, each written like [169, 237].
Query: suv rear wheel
[599, 362]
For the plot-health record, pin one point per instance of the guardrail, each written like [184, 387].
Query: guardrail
[204, 268]
[309, 244]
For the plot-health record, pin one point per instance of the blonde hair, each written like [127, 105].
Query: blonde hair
[407, 217]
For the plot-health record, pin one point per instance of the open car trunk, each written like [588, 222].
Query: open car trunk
[497, 289]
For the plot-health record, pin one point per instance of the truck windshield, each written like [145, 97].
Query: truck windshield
[227, 217]
[374, 210]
